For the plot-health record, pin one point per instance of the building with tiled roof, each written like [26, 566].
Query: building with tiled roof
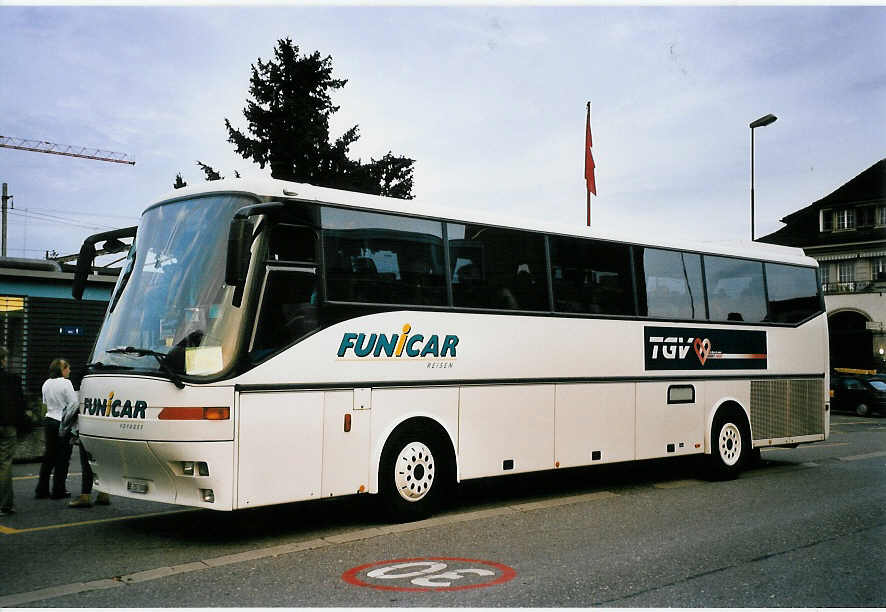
[846, 232]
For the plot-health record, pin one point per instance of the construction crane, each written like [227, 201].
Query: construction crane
[42, 146]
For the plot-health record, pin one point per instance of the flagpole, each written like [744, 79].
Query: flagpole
[589, 192]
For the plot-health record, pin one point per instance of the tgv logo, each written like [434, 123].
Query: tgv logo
[671, 348]
[677, 348]
[416, 345]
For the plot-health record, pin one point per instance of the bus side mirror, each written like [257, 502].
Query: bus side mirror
[238, 255]
[86, 258]
[84, 266]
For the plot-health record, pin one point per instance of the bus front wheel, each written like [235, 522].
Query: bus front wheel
[730, 445]
[414, 473]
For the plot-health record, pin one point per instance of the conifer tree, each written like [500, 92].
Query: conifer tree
[287, 118]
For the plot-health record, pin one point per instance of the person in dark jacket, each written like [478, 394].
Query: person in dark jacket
[12, 423]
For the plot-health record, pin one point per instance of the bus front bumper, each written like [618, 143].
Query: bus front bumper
[196, 474]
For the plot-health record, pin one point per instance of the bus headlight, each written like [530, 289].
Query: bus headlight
[188, 468]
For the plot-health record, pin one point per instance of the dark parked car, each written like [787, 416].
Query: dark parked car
[862, 395]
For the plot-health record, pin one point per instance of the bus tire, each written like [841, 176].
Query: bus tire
[730, 444]
[414, 473]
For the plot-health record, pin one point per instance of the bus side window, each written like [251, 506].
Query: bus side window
[292, 243]
[288, 310]
[672, 281]
[793, 293]
[735, 289]
[597, 276]
[497, 268]
[378, 258]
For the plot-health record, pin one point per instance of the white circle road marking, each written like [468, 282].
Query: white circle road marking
[426, 574]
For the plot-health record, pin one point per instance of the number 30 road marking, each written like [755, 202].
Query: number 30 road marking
[427, 574]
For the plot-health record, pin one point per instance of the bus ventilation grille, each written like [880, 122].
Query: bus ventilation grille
[787, 408]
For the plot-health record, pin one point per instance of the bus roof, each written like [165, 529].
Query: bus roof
[274, 189]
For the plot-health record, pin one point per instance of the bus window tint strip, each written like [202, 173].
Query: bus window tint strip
[379, 258]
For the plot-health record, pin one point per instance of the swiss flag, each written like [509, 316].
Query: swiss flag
[589, 157]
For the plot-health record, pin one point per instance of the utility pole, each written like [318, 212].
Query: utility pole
[5, 198]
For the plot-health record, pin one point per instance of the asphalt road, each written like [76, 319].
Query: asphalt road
[804, 528]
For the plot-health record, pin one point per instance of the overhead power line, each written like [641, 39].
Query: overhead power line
[43, 146]
[134, 218]
[55, 220]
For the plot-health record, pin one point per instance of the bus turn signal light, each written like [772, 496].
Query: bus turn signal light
[217, 414]
[194, 413]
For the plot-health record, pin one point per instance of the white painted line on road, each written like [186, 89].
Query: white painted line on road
[13, 530]
[273, 551]
[36, 476]
[861, 457]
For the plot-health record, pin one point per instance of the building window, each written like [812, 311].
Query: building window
[14, 333]
[846, 219]
[846, 271]
[825, 273]
[878, 268]
[827, 220]
[881, 215]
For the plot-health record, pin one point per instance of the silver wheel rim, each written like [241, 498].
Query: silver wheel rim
[414, 471]
[730, 444]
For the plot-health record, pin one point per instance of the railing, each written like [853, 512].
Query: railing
[866, 286]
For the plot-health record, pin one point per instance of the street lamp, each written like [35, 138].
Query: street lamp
[761, 122]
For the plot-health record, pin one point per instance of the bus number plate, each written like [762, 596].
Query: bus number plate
[137, 487]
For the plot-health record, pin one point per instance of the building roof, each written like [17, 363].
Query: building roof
[802, 229]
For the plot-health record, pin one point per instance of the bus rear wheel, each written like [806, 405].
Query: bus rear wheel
[414, 473]
[730, 445]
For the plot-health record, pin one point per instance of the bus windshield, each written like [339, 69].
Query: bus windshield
[171, 310]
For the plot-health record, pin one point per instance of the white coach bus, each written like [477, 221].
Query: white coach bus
[270, 342]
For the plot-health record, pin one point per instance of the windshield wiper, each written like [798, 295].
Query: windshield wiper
[98, 365]
[160, 357]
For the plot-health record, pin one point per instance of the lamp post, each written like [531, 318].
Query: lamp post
[761, 122]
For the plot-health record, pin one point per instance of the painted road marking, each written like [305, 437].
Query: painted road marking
[424, 574]
[19, 599]
[36, 476]
[13, 531]
[865, 456]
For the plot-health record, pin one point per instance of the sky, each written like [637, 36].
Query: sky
[489, 100]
